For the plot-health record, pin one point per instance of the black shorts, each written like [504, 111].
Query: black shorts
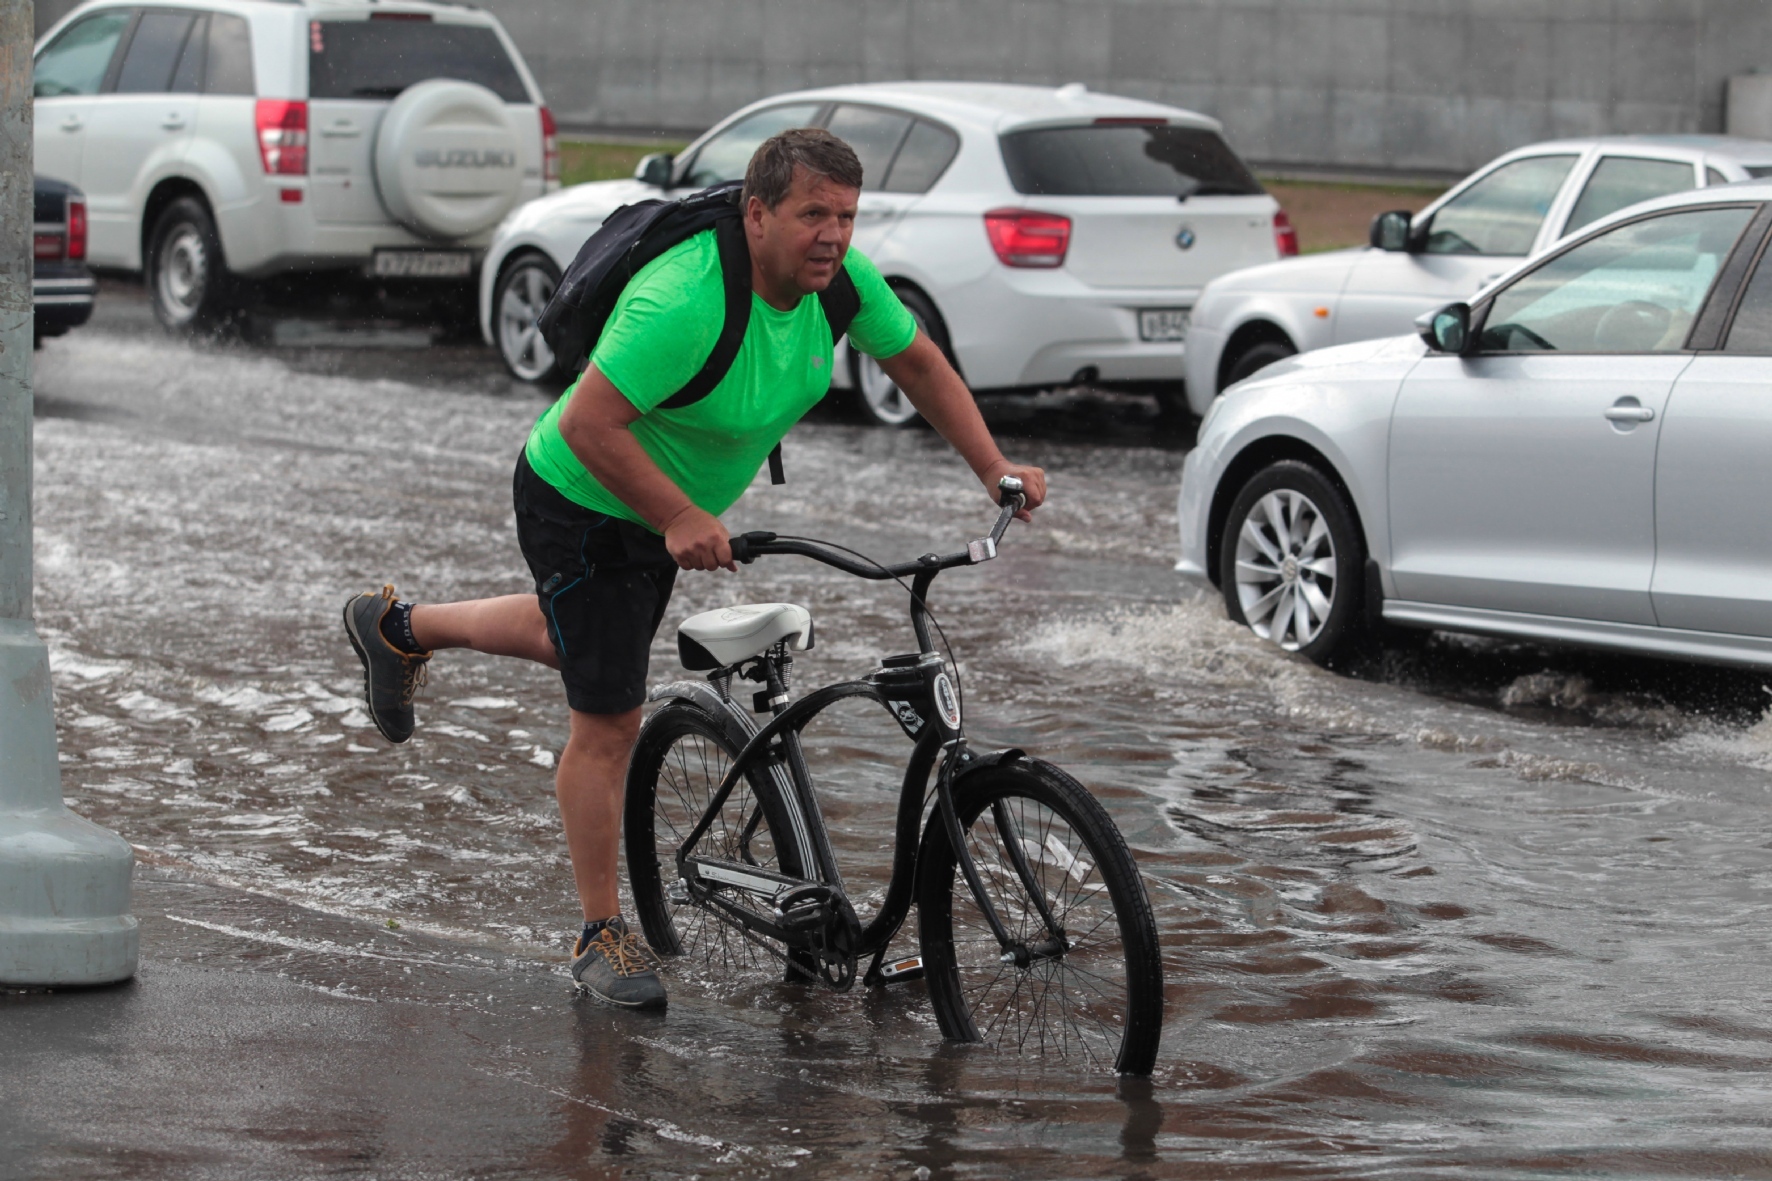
[603, 584]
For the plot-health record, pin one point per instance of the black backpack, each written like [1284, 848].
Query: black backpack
[636, 234]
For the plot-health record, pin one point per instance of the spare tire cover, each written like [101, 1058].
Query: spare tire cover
[447, 161]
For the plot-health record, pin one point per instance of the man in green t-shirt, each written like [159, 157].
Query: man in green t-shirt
[614, 493]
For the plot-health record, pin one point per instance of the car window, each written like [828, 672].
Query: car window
[76, 62]
[1131, 159]
[926, 154]
[1759, 171]
[153, 52]
[1633, 289]
[230, 56]
[874, 134]
[1712, 178]
[726, 155]
[380, 58]
[1618, 181]
[187, 77]
[1752, 330]
[1501, 213]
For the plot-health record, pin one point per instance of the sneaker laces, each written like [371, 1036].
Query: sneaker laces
[627, 956]
[413, 676]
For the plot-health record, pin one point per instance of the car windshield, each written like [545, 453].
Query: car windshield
[1633, 289]
[1132, 159]
[381, 58]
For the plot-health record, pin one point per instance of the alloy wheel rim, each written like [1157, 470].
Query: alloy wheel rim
[1286, 569]
[526, 293]
[184, 272]
[885, 400]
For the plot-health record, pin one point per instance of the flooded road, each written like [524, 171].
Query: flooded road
[1468, 909]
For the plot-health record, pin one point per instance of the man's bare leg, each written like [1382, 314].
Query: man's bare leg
[510, 625]
[593, 768]
[590, 783]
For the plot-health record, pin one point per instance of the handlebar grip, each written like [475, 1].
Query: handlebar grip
[744, 545]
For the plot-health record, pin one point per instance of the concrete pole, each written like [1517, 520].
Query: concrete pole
[64, 881]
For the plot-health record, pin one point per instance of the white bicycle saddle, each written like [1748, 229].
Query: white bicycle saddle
[728, 635]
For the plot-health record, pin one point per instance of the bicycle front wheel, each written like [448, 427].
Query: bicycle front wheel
[678, 764]
[1083, 977]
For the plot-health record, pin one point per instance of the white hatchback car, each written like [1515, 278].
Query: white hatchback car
[226, 138]
[1580, 455]
[1042, 237]
[1512, 208]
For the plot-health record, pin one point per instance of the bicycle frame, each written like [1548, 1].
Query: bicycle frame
[916, 690]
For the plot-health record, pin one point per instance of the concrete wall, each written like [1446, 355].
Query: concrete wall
[1405, 84]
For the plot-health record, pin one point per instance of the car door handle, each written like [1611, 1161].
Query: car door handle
[173, 123]
[72, 123]
[341, 130]
[1628, 411]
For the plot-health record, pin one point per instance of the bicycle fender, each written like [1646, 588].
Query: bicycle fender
[993, 759]
[701, 694]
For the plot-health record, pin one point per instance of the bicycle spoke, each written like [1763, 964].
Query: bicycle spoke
[1063, 1006]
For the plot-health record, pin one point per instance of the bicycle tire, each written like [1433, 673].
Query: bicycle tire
[679, 760]
[1101, 1000]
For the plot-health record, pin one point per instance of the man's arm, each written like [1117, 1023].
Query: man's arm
[941, 397]
[595, 425]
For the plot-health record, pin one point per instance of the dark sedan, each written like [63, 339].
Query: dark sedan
[62, 287]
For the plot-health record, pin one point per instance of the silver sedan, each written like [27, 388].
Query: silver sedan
[1582, 454]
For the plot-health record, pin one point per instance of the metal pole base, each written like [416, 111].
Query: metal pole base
[64, 881]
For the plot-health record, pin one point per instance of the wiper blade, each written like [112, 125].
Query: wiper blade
[377, 91]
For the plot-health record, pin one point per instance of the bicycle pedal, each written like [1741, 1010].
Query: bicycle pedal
[678, 893]
[802, 908]
[902, 971]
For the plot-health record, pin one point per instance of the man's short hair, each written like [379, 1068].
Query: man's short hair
[771, 171]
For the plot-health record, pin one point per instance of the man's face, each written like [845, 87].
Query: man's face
[801, 242]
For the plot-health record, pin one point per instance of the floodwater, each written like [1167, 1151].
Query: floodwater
[1471, 909]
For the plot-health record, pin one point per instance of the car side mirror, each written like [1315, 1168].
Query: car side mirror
[655, 169]
[1447, 329]
[1390, 231]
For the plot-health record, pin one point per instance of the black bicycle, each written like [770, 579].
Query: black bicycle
[1035, 930]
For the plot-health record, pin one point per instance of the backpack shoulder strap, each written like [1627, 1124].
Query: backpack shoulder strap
[841, 302]
[735, 271]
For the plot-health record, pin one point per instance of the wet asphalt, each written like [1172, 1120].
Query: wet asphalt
[1460, 909]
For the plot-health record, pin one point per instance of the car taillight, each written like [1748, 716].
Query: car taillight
[76, 231]
[1285, 237]
[550, 148]
[46, 247]
[283, 136]
[1028, 238]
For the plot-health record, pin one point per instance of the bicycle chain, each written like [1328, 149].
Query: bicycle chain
[720, 914]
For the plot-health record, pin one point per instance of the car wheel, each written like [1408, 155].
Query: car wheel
[1255, 358]
[517, 302]
[1291, 560]
[188, 280]
[875, 398]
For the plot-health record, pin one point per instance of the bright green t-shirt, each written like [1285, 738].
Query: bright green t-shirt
[659, 336]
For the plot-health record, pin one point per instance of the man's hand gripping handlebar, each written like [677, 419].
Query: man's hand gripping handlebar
[747, 547]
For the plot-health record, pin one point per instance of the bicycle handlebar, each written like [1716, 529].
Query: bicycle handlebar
[748, 547]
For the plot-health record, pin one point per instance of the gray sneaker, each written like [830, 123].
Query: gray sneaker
[616, 967]
[390, 676]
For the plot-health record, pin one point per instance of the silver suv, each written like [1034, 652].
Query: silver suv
[221, 140]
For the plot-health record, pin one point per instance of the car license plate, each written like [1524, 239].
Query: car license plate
[422, 264]
[1162, 323]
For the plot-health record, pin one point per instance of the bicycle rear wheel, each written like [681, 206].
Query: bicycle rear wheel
[679, 761]
[1091, 992]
